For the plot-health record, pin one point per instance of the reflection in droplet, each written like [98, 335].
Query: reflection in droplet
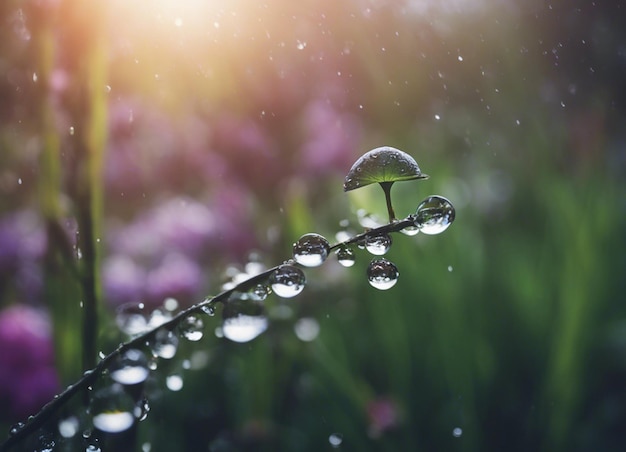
[287, 281]
[164, 344]
[434, 215]
[410, 230]
[311, 250]
[112, 409]
[191, 328]
[307, 329]
[243, 320]
[130, 368]
[174, 382]
[345, 256]
[378, 244]
[335, 440]
[141, 410]
[208, 309]
[132, 318]
[382, 274]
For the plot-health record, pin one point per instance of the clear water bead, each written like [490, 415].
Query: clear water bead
[434, 215]
[165, 344]
[112, 409]
[130, 368]
[243, 320]
[410, 230]
[287, 281]
[378, 244]
[132, 318]
[382, 274]
[311, 250]
[345, 256]
[191, 328]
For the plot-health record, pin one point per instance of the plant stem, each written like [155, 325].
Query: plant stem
[387, 189]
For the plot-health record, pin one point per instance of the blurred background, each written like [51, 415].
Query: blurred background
[150, 150]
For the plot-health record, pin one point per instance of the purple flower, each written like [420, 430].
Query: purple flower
[177, 276]
[27, 375]
[383, 415]
[123, 279]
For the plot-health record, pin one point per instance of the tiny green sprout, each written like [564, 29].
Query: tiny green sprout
[384, 165]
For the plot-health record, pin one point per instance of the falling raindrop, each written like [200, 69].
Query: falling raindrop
[132, 318]
[311, 250]
[345, 256]
[130, 368]
[287, 281]
[243, 320]
[335, 440]
[191, 328]
[112, 409]
[434, 215]
[174, 382]
[382, 274]
[378, 244]
[164, 344]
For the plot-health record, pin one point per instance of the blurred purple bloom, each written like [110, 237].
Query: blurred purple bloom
[123, 279]
[383, 415]
[27, 375]
[177, 276]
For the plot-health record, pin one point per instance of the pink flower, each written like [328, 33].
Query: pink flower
[383, 415]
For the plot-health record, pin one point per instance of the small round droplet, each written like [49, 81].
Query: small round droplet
[16, 428]
[165, 344]
[378, 244]
[130, 368]
[68, 427]
[457, 432]
[382, 274]
[311, 250]
[112, 409]
[260, 292]
[434, 215]
[345, 256]
[287, 281]
[132, 318]
[174, 382]
[243, 320]
[335, 440]
[191, 328]
[410, 230]
[141, 410]
[208, 309]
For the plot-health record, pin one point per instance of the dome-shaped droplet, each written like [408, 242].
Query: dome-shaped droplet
[383, 164]
[434, 215]
[243, 320]
[345, 256]
[311, 250]
[378, 244]
[112, 409]
[130, 368]
[410, 230]
[382, 274]
[287, 281]
[191, 328]
[208, 308]
[165, 344]
[260, 292]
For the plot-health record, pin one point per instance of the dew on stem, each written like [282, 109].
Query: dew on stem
[434, 215]
[287, 281]
[243, 320]
[130, 368]
[382, 274]
[378, 244]
[311, 250]
[112, 409]
[345, 256]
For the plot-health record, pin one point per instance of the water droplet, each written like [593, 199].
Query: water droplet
[457, 432]
[165, 344]
[410, 230]
[243, 320]
[345, 256]
[170, 304]
[307, 329]
[68, 427]
[93, 448]
[434, 215]
[260, 292]
[378, 244]
[158, 317]
[130, 368]
[15, 428]
[335, 439]
[132, 318]
[208, 309]
[174, 382]
[449, 268]
[191, 328]
[287, 281]
[142, 409]
[112, 409]
[311, 250]
[72, 130]
[382, 274]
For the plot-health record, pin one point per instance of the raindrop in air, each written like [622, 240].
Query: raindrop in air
[130, 368]
[335, 439]
[311, 250]
[287, 281]
[434, 215]
[378, 244]
[243, 320]
[191, 328]
[345, 256]
[164, 344]
[382, 274]
[112, 409]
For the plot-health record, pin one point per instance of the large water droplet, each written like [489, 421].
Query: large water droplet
[164, 344]
[243, 320]
[345, 256]
[112, 409]
[434, 215]
[130, 368]
[382, 274]
[311, 250]
[378, 244]
[287, 281]
[191, 328]
[132, 318]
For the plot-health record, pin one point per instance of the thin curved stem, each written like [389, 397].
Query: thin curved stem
[387, 189]
[90, 376]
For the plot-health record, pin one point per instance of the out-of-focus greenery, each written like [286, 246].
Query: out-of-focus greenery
[506, 332]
